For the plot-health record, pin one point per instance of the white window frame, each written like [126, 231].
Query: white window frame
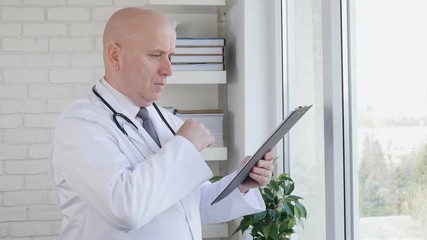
[339, 169]
[340, 172]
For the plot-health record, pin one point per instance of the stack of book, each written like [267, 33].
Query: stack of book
[199, 54]
[211, 119]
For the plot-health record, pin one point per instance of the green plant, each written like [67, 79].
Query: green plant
[283, 212]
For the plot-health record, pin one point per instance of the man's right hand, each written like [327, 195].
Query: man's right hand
[196, 133]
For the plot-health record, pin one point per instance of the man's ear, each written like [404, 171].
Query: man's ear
[113, 56]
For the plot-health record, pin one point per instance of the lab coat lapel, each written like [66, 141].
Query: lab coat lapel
[139, 138]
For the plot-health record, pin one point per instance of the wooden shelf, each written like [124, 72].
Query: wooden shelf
[215, 230]
[188, 2]
[197, 77]
[215, 154]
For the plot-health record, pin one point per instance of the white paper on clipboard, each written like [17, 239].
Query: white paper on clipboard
[284, 127]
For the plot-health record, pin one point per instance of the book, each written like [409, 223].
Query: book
[200, 42]
[200, 50]
[198, 67]
[197, 59]
[199, 111]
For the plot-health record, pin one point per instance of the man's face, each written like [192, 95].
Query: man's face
[145, 63]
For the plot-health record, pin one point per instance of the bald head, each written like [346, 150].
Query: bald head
[128, 21]
[137, 46]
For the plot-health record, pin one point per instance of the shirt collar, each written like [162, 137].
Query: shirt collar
[123, 100]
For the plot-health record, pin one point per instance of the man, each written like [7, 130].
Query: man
[112, 179]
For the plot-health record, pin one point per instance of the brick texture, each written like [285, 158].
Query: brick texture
[50, 54]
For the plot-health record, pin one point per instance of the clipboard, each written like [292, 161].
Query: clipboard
[293, 117]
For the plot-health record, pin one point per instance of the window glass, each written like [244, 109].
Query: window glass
[389, 79]
[303, 86]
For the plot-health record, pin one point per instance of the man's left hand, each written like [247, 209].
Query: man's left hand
[260, 174]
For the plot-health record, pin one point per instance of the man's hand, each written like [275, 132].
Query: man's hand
[260, 174]
[196, 133]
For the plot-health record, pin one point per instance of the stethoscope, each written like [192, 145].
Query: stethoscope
[117, 115]
[128, 121]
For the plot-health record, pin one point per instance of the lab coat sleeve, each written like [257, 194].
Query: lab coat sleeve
[88, 156]
[231, 207]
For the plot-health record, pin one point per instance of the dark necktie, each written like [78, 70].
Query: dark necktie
[148, 125]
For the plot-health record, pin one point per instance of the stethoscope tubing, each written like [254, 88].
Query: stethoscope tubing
[116, 115]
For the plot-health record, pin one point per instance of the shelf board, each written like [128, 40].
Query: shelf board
[188, 2]
[215, 230]
[215, 154]
[197, 77]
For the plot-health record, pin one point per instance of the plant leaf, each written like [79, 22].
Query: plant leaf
[272, 213]
[294, 198]
[288, 209]
[244, 224]
[256, 230]
[284, 177]
[289, 189]
[283, 226]
[274, 233]
[297, 212]
[274, 186]
[215, 179]
[302, 209]
[268, 194]
[266, 231]
[291, 224]
[259, 216]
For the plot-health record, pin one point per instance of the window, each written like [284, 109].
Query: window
[304, 86]
[360, 159]
[389, 117]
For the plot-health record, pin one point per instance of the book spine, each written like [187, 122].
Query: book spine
[197, 59]
[199, 50]
[200, 42]
[198, 67]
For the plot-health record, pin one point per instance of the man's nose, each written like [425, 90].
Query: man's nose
[166, 67]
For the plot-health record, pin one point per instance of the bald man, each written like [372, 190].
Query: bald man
[123, 168]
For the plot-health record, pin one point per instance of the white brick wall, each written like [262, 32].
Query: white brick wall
[50, 54]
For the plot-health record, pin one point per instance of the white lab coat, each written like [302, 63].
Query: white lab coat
[108, 191]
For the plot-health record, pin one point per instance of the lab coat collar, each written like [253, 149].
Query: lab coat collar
[122, 99]
[106, 93]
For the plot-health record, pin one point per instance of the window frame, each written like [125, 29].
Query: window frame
[338, 170]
